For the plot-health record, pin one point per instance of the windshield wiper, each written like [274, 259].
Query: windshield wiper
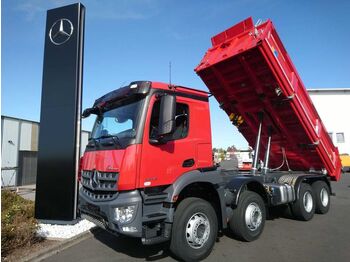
[115, 138]
[95, 142]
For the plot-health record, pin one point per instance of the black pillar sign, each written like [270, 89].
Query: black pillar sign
[59, 137]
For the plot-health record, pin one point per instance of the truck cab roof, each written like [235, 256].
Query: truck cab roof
[142, 88]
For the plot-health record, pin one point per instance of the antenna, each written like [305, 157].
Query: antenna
[170, 74]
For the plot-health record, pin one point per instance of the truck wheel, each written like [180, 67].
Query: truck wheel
[322, 197]
[194, 229]
[248, 219]
[304, 207]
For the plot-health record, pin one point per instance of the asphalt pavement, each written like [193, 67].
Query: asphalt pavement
[324, 238]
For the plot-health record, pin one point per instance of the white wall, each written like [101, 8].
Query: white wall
[26, 136]
[83, 141]
[333, 106]
[19, 134]
[9, 152]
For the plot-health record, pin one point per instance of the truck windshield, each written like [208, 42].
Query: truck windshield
[119, 122]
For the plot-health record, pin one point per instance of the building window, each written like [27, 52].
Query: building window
[330, 135]
[340, 138]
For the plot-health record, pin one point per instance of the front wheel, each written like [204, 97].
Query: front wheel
[248, 219]
[194, 229]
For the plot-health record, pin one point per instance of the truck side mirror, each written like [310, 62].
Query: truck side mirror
[86, 112]
[167, 115]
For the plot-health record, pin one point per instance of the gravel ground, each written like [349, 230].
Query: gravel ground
[64, 231]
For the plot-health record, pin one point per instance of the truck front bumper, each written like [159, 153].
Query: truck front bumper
[103, 213]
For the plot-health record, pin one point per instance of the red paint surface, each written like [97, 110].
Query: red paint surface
[162, 164]
[242, 69]
[159, 164]
[123, 161]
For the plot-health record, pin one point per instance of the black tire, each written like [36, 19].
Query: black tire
[187, 210]
[322, 197]
[300, 210]
[239, 225]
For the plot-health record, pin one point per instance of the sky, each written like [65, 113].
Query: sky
[128, 40]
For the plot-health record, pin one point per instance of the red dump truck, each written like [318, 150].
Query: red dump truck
[148, 172]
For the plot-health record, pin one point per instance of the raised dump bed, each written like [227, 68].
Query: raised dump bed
[250, 73]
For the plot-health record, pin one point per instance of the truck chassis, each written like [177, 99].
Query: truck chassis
[204, 201]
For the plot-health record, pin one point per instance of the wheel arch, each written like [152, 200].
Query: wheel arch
[203, 190]
[201, 185]
[310, 179]
[238, 184]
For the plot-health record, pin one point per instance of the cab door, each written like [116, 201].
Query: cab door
[162, 164]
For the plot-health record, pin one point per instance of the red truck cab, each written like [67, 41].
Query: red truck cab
[125, 152]
[124, 141]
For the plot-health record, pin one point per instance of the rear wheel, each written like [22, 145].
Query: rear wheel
[194, 229]
[322, 196]
[304, 207]
[248, 219]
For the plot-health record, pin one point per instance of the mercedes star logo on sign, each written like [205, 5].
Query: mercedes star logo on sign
[61, 31]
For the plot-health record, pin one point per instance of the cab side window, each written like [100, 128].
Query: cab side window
[181, 121]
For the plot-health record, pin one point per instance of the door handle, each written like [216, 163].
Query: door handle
[188, 163]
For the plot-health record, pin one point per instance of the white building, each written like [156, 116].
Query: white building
[333, 106]
[19, 150]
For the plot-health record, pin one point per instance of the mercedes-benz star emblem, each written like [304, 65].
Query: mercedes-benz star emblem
[94, 179]
[61, 31]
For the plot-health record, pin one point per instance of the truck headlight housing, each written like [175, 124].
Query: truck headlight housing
[124, 214]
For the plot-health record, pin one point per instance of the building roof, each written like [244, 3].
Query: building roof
[18, 119]
[28, 121]
[328, 90]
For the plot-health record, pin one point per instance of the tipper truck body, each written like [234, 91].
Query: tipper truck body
[249, 72]
[148, 171]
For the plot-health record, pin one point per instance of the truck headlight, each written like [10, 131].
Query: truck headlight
[124, 214]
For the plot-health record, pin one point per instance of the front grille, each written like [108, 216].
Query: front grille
[99, 196]
[99, 185]
[100, 181]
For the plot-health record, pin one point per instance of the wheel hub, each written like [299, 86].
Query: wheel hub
[308, 202]
[324, 197]
[253, 216]
[197, 230]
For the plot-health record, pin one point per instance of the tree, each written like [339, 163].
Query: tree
[231, 148]
[222, 155]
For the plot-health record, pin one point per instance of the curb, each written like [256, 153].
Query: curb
[52, 250]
